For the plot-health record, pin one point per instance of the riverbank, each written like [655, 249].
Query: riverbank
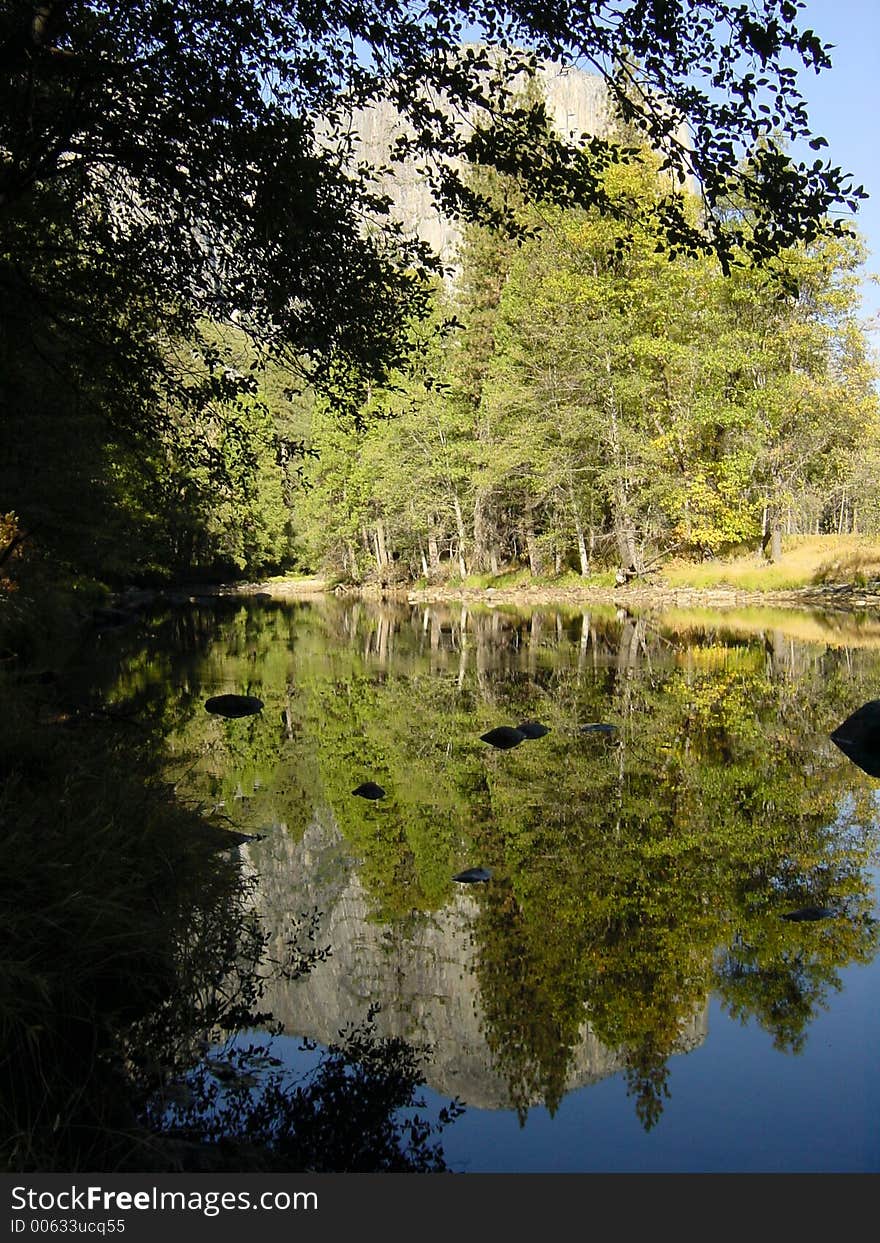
[837, 572]
[835, 596]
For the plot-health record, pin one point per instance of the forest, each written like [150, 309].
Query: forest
[212, 369]
[575, 401]
[586, 403]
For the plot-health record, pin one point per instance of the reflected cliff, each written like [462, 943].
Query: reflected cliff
[423, 974]
[636, 871]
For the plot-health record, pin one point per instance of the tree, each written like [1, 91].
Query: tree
[206, 144]
[672, 403]
[164, 167]
[800, 367]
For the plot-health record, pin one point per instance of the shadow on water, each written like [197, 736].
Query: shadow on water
[629, 870]
[135, 956]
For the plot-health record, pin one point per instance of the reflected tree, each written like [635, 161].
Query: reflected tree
[632, 872]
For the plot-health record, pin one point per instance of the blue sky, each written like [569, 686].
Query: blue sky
[842, 104]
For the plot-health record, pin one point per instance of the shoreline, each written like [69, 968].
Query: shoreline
[844, 597]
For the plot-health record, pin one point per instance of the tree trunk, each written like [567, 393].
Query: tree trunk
[776, 542]
[381, 547]
[583, 555]
[459, 524]
[536, 564]
[627, 546]
[623, 525]
[350, 563]
[771, 539]
[482, 542]
[433, 569]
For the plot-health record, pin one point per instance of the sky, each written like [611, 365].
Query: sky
[842, 104]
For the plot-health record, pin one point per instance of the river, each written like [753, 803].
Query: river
[626, 991]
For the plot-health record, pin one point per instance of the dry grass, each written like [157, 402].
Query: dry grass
[807, 561]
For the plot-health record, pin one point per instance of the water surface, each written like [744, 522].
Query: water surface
[624, 993]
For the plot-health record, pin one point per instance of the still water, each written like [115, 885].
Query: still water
[625, 992]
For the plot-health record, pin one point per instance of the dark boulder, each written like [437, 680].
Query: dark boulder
[233, 706]
[473, 876]
[369, 789]
[810, 913]
[504, 737]
[858, 737]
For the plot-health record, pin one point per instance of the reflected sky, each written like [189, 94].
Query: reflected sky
[736, 1105]
[624, 994]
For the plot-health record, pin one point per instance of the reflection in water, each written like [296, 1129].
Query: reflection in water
[423, 972]
[647, 852]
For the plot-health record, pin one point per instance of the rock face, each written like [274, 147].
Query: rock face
[577, 103]
[423, 976]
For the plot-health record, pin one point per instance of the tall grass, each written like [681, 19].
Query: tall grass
[807, 561]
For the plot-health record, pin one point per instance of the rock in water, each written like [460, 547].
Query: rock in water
[858, 737]
[473, 876]
[233, 705]
[369, 789]
[810, 913]
[598, 727]
[533, 729]
[504, 737]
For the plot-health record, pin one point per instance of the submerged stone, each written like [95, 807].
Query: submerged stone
[810, 913]
[233, 705]
[472, 876]
[504, 737]
[533, 729]
[369, 789]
